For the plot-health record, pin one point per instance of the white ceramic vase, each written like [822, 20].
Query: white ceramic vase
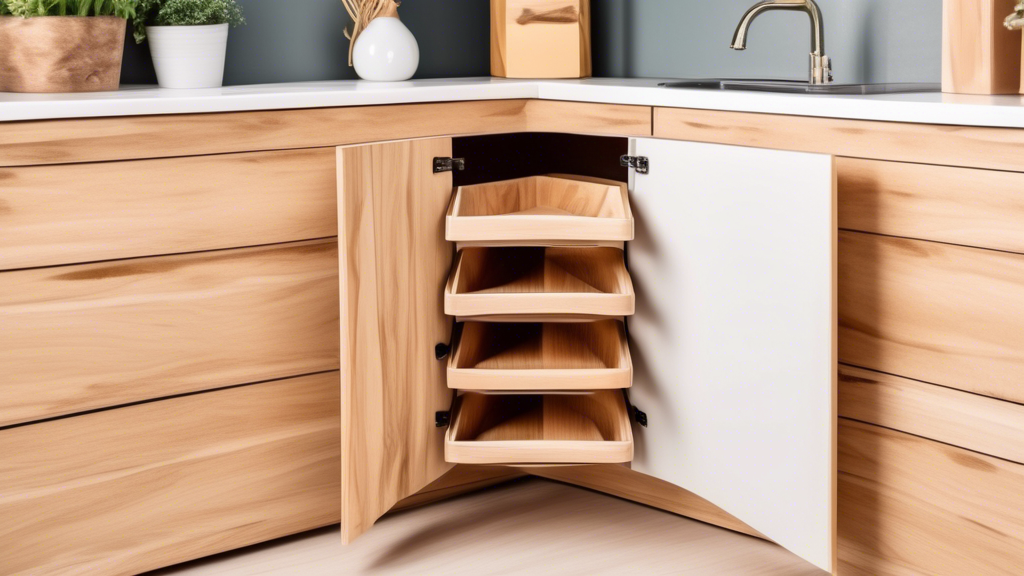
[188, 56]
[386, 51]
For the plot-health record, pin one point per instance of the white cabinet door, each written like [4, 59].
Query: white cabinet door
[734, 340]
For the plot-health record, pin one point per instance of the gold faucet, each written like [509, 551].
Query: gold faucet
[1015, 21]
[821, 65]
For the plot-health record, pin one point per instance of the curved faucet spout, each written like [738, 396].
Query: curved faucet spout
[821, 66]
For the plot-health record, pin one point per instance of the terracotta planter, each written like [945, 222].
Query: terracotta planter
[61, 53]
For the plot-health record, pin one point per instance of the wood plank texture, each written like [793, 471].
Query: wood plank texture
[979, 55]
[125, 138]
[132, 489]
[540, 38]
[965, 206]
[87, 212]
[460, 480]
[911, 506]
[394, 263]
[943, 314]
[971, 146]
[619, 480]
[977, 423]
[89, 336]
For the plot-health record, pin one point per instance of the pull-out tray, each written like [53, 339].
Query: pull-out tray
[540, 210]
[538, 429]
[541, 357]
[521, 284]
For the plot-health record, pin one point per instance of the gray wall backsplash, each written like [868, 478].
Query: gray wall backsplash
[868, 40]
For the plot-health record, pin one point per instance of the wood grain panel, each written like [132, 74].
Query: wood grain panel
[911, 506]
[460, 480]
[943, 314]
[132, 489]
[978, 147]
[87, 212]
[977, 423]
[126, 138]
[394, 263]
[979, 55]
[620, 481]
[81, 337]
[965, 206]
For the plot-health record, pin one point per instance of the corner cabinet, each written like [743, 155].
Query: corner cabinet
[717, 268]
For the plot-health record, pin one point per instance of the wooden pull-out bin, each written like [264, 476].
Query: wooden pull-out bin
[523, 284]
[540, 210]
[536, 429]
[570, 356]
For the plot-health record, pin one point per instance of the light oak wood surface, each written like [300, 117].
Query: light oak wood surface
[394, 263]
[101, 139]
[943, 314]
[977, 147]
[540, 429]
[460, 480]
[551, 356]
[102, 211]
[912, 506]
[970, 421]
[540, 209]
[964, 206]
[81, 337]
[506, 283]
[540, 38]
[132, 489]
[979, 55]
[528, 527]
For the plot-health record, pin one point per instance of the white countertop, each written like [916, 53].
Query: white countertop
[929, 108]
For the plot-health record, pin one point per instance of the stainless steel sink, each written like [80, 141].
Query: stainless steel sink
[799, 87]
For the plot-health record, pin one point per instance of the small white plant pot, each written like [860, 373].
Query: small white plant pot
[386, 51]
[188, 56]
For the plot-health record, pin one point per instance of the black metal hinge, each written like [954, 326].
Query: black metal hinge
[449, 164]
[441, 350]
[641, 163]
[640, 416]
[442, 418]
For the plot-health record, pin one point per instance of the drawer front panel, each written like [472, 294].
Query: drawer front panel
[943, 314]
[88, 212]
[131, 489]
[956, 205]
[82, 337]
[912, 506]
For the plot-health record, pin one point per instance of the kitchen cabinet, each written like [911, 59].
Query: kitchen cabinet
[732, 349]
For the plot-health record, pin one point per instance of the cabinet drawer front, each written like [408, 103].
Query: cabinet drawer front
[943, 314]
[912, 506]
[131, 489]
[955, 205]
[82, 337]
[89, 212]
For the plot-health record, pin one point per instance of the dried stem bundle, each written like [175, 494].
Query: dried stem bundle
[362, 12]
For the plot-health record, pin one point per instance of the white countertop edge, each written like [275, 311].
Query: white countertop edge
[926, 108]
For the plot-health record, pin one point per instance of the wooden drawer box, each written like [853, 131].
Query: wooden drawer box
[76, 338]
[963, 206]
[912, 506]
[102, 211]
[131, 489]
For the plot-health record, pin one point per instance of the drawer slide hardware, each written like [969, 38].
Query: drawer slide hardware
[449, 164]
[641, 163]
[442, 418]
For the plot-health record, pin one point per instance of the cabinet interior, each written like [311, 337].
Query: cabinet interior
[596, 417]
[541, 270]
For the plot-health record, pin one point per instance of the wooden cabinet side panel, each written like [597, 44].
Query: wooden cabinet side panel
[133, 489]
[77, 338]
[911, 506]
[53, 215]
[394, 262]
[943, 314]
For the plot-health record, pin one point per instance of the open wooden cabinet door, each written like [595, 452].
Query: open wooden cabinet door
[394, 262]
[734, 338]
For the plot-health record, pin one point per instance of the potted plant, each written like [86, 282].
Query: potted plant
[188, 39]
[62, 45]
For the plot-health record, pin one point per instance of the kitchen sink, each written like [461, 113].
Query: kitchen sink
[799, 86]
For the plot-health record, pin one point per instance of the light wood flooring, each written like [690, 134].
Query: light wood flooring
[529, 526]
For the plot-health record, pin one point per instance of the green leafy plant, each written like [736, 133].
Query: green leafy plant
[32, 8]
[184, 13]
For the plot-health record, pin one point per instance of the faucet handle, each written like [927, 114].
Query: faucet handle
[821, 69]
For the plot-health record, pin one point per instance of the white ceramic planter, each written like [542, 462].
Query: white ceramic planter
[386, 51]
[188, 56]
